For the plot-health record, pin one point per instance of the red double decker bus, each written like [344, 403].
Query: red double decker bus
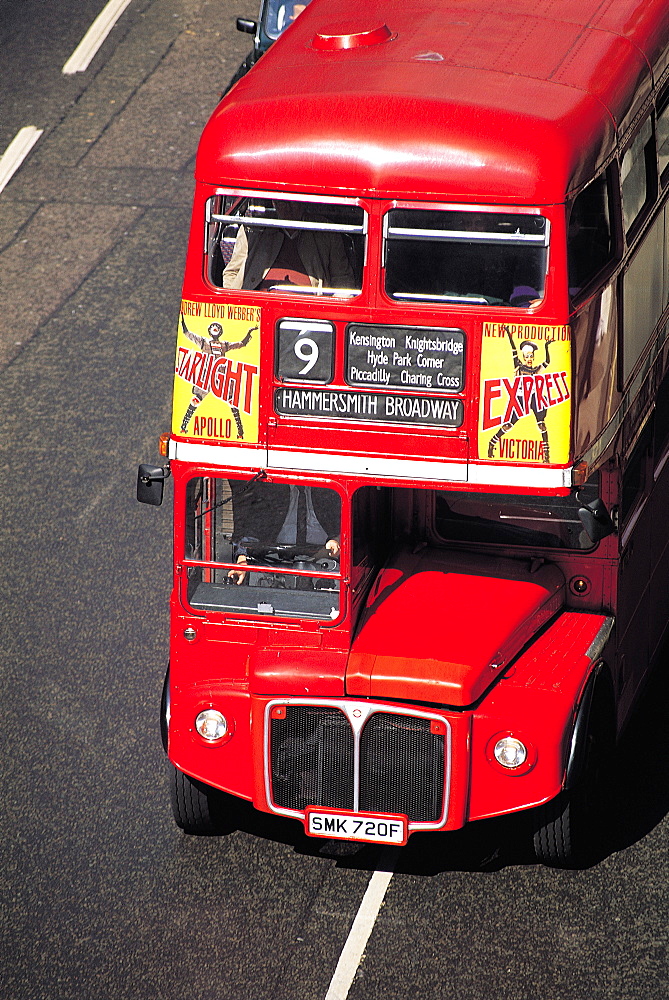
[420, 430]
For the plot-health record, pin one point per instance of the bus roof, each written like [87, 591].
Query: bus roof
[451, 101]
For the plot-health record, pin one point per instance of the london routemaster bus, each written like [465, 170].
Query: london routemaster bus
[421, 421]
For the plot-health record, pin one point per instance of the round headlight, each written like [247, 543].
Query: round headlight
[510, 752]
[211, 725]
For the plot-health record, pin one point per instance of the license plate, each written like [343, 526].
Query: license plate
[367, 827]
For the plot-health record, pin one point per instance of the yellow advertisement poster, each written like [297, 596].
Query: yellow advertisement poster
[216, 372]
[525, 404]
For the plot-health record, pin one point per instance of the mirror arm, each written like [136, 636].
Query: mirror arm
[153, 476]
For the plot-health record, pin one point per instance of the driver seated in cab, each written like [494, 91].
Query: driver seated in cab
[273, 515]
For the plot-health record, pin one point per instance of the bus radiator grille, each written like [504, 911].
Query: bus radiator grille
[401, 763]
[401, 767]
[312, 758]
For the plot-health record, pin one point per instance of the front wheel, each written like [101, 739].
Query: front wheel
[570, 829]
[562, 836]
[197, 808]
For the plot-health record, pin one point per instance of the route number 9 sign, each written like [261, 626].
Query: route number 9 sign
[305, 351]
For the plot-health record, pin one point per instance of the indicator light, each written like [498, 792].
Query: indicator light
[579, 474]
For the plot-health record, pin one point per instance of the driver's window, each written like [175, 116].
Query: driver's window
[280, 544]
[371, 533]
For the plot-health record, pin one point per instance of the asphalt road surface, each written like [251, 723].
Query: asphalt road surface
[102, 897]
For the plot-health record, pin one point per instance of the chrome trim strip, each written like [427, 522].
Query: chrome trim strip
[365, 710]
[631, 524]
[218, 454]
[464, 236]
[657, 471]
[529, 476]
[313, 199]
[328, 227]
[594, 650]
[361, 465]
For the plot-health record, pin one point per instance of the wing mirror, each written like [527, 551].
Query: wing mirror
[246, 25]
[596, 520]
[151, 483]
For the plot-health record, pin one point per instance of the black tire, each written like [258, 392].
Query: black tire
[197, 808]
[569, 831]
[558, 832]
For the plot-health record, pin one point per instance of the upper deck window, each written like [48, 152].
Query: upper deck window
[466, 258]
[663, 136]
[258, 243]
[590, 237]
[637, 175]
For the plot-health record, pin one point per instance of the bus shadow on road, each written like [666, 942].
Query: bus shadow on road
[640, 772]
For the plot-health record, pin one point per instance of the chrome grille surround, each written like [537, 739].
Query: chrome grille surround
[364, 786]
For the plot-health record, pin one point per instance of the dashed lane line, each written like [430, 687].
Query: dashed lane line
[16, 152]
[95, 36]
[362, 927]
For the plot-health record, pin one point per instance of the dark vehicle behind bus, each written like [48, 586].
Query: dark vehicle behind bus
[274, 17]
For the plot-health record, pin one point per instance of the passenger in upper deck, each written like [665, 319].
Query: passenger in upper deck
[265, 257]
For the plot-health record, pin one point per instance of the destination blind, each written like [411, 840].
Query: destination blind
[375, 406]
[405, 357]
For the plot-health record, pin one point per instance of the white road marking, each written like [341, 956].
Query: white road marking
[95, 36]
[362, 927]
[16, 152]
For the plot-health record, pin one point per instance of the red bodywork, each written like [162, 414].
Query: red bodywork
[461, 103]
